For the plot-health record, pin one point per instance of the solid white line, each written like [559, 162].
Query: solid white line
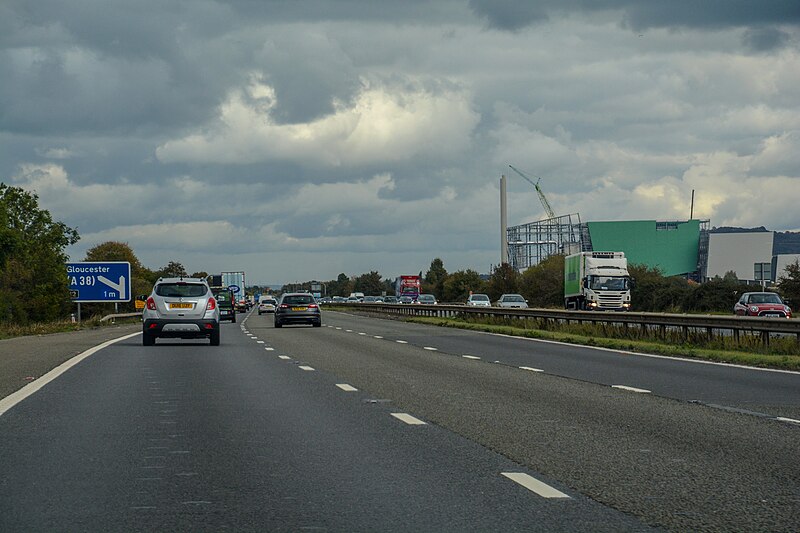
[529, 369]
[473, 357]
[534, 485]
[402, 342]
[408, 419]
[430, 348]
[651, 355]
[14, 398]
[631, 389]
[790, 420]
[284, 357]
[347, 388]
[307, 368]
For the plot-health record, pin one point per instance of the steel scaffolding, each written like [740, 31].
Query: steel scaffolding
[531, 243]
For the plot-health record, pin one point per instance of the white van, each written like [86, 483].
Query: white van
[359, 295]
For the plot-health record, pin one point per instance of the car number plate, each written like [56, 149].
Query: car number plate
[299, 308]
[771, 314]
[180, 306]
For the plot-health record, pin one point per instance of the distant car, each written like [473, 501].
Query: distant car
[353, 300]
[512, 300]
[369, 299]
[267, 304]
[297, 307]
[406, 300]
[182, 308]
[762, 304]
[426, 299]
[479, 300]
[379, 299]
[339, 299]
[390, 299]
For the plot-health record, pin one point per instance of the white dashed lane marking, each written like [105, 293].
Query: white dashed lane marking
[631, 389]
[534, 485]
[347, 388]
[408, 419]
[473, 357]
[378, 337]
[284, 357]
[431, 348]
[307, 368]
[529, 369]
[402, 342]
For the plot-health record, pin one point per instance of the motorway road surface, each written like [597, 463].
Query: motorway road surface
[378, 425]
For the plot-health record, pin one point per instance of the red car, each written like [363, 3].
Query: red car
[762, 304]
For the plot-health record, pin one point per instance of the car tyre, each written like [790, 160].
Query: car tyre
[215, 338]
[148, 340]
[317, 324]
[278, 324]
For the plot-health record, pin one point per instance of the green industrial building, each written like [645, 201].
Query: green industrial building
[677, 248]
[673, 247]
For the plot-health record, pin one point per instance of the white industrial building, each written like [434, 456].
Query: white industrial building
[748, 254]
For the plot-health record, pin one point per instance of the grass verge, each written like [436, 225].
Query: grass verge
[771, 358]
[8, 331]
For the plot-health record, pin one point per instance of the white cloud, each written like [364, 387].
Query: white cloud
[382, 124]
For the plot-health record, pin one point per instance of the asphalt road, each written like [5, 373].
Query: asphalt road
[188, 437]
[265, 433]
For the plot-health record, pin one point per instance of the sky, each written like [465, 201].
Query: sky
[299, 140]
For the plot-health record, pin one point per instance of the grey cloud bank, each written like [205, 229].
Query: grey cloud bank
[299, 140]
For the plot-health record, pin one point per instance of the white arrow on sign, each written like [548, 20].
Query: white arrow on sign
[119, 287]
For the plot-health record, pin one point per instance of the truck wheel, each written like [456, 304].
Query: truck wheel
[215, 338]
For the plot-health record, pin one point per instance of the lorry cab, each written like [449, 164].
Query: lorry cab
[597, 281]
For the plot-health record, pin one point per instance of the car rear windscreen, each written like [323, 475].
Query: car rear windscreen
[181, 290]
[299, 299]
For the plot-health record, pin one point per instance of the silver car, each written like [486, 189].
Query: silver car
[182, 308]
[479, 300]
[512, 300]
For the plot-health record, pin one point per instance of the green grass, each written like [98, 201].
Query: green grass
[781, 354]
[8, 331]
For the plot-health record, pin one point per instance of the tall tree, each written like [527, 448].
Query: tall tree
[504, 280]
[543, 284]
[789, 285]
[368, 283]
[459, 284]
[33, 277]
[435, 278]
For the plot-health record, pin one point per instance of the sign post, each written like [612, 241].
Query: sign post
[99, 281]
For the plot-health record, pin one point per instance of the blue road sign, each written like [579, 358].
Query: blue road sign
[107, 281]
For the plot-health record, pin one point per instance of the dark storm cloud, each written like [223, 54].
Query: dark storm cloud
[643, 14]
[765, 39]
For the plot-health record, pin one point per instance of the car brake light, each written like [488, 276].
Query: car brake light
[312, 306]
[284, 306]
[151, 304]
[212, 304]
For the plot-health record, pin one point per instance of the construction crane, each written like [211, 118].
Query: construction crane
[545, 203]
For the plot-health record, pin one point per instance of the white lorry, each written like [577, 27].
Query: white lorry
[597, 281]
